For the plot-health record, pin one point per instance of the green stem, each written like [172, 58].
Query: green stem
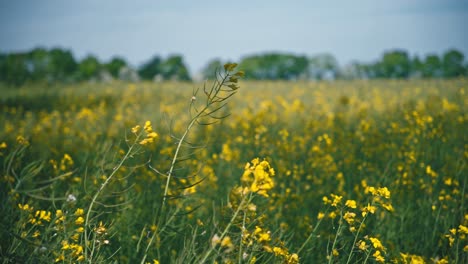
[226, 230]
[310, 236]
[211, 100]
[338, 233]
[93, 201]
[355, 239]
[367, 257]
[240, 243]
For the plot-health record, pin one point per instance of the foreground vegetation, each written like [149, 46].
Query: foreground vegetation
[342, 172]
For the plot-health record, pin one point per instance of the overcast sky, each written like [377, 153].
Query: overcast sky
[202, 30]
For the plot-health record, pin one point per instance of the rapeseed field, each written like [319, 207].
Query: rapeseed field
[235, 172]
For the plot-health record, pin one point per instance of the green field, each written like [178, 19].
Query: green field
[347, 172]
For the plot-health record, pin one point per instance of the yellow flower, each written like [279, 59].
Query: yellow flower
[451, 239]
[279, 251]
[65, 245]
[60, 258]
[25, 207]
[384, 192]
[59, 213]
[376, 243]
[77, 250]
[43, 215]
[135, 129]
[349, 217]
[79, 220]
[226, 242]
[36, 233]
[293, 259]
[146, 141]
[368, 209]
[152, 135]
[463, 229]
[148, 128]
[264, 237]
[442, 261]
[262, 173]
[453, 231]
[230, 66]
[388, 207]
[261, 235]
[75, 237]
[101, 229]
[22, 141]
[79, 212]
[351, 204]
[378, 257]
[362, 245]
[60, 216]
[336, 199]
[320, 215]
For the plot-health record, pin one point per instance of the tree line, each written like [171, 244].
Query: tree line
[394, 64]
[59, 65]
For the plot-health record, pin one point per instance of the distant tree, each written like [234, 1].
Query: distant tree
[452, 64]
[62, 65]
[150, 69]
[13, 69]
[3, 66]
[394, 64]
[115, 65]
[89, 68]
[416, 67]
[210, 70]
[432, 67]
[274, 66]
[37, 62]
[323, 66]
[174, 68]
[128, 74]
[357, 70]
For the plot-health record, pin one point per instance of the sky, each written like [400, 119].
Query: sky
[201, 30]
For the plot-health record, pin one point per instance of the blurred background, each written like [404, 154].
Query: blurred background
[187, 40]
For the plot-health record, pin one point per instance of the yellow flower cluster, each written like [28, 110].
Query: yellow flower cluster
[258, 174]
[22, 140]
[415, 259]
[225, 243]
[38, 217]
[460, 235]
[334, 200]
[287, 257]
[404, 134]
[75, 250]
[150, 135]
[71, 250]
[380, 196]
[3, 146]
[377, 247]
[262, 237]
